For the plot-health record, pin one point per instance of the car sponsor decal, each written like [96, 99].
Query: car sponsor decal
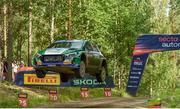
[49, 79]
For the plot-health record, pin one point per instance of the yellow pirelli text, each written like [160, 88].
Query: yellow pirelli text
[49, 79]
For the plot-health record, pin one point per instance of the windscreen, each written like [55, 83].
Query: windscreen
[66, 45]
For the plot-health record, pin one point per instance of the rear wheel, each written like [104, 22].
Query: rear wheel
[64, 77]
[82, 70]
[102, 75]
[40, 74]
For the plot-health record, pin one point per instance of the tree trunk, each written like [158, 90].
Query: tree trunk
[10, 42]
[119, 80]
[52, 21]
[19, 39]
[114, 75]
[18, 46]
[151, 85]
[1, 41]
[30, 34]
[69, 34]
[81, 4]
[5, 28]
[0, 55]
[1, 65]
[20, 49]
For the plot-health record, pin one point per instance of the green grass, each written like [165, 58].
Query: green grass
[9, 95]
[170, 99]
[8, 101]
[38, 96]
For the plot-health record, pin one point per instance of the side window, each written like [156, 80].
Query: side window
[88, 46]
[95, 48]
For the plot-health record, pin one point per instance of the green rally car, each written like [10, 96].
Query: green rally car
[71, 57]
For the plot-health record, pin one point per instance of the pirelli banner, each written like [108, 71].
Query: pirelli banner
[29, 78]
[145, 45]
[50, 79]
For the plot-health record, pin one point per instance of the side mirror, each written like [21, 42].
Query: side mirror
[99, 46]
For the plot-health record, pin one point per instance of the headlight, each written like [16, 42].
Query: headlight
[38, 55]
[38, 58]
[70, 55]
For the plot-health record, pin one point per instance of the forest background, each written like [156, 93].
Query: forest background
[27, 26]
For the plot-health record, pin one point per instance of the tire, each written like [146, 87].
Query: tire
[82, 70]
[102, 75]
[40, 74]
[64, 77]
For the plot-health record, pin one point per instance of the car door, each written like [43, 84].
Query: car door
[89, 56]
[96, 57]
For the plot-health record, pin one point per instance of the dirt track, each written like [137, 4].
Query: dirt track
[105, 102]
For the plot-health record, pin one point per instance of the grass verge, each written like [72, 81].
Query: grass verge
[39, 95]
[169, 99]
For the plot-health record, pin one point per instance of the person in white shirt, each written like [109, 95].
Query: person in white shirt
[14, 70]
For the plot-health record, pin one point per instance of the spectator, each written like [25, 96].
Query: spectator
[22, 64]
[5, 69]
[14, 70]
[1, 71]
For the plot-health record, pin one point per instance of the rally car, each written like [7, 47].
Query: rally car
[71, 57]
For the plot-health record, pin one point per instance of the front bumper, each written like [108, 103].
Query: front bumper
[58, 67]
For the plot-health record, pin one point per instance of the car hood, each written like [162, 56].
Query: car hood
[55, 51]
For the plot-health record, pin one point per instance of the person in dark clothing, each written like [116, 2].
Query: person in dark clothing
[5, 70]
[1, 71]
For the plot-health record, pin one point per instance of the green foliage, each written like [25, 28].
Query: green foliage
[113, 24]
[153, 102]
[156, 75]
[38, 96]
[167, 99]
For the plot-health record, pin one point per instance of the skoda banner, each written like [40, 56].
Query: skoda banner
[146, 44]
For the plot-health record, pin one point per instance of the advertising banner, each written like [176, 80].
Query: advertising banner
[91, 82]
[145, 45]
[50, 79]
[29, 78]
[156, 43]
[137, 67]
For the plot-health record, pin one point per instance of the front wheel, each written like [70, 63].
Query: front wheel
[102, 75]
[40, 74]
[82, 70]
